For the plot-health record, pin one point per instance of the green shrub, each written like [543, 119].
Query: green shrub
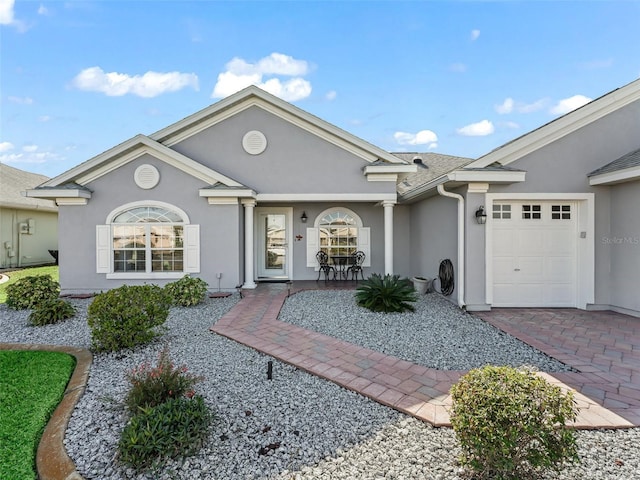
[187, 291]
[511, 423]
[127, 316]
[172, 429]
[30, 291]
[51, 311]
[153, 385]
[386, 294]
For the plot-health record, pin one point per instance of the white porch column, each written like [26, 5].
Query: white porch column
[388, 236]
[249, 205]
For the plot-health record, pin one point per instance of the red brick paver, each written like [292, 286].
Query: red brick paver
[413, 389]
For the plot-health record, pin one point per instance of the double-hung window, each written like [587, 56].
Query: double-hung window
[147, 241]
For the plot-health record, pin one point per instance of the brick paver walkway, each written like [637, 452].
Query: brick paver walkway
[413, 389]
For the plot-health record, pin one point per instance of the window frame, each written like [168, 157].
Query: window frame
[105, 248]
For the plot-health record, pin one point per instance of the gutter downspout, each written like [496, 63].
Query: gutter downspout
[461, 276]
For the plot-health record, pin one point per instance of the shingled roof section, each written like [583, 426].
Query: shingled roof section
[629, 160]
[14, 181]
[433, 165]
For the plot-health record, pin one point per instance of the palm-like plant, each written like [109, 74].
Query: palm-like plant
[386, 294]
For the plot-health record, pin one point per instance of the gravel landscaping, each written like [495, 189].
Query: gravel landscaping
[297, 426]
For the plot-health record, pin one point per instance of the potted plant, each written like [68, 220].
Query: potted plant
[420, 284]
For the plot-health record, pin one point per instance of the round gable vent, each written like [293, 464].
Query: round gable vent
[146, 176]
[254, 142]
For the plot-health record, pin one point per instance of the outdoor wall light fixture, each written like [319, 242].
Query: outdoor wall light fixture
[481, 216]
[303, 217]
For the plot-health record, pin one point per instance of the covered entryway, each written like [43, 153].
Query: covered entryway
[534, 253]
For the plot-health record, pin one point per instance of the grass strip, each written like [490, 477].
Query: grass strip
[16, 275]
[32, 384]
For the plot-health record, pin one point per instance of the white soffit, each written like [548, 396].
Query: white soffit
[619, 176]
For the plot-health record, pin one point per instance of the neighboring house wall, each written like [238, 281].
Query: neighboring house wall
[27, 249]
[434, 231]
[623, 243]
[38, 218]
[294, 162]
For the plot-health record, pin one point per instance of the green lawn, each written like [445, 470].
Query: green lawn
[15, 275]
[31, 386]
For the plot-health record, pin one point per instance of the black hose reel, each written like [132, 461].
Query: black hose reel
[446, 276]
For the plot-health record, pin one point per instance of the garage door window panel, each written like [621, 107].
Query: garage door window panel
[531, 212]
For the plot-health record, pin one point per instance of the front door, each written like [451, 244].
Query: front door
[273, 241]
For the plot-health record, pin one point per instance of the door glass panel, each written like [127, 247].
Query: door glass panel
[275, 241]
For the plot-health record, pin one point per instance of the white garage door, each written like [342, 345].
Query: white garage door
[534, 253]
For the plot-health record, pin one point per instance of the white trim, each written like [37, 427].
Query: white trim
[144, 276]
[321, 215]
[382, 177]
[222, 200]
[147, 203]
[58, 193]
[227, 192]
[619, 176]
[288, 212]
[130, 150]
[394, 168]
[562, 126]
[585, 255]
[326, 197]
[71, 201]
[477, 188]
[487, 176]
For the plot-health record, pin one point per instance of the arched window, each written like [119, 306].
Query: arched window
[146, 241]
[337, 231]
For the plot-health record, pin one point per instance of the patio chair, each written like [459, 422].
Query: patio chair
[356, 265]
[323, 261]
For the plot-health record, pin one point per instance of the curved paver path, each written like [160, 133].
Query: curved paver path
[410, 388]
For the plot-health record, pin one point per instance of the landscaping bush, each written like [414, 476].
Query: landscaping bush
[29, 292]
[151, 386]
[172, 429]
[386, 294]
[511, 423]
[187, 291]
[51, 311]
[127, 316]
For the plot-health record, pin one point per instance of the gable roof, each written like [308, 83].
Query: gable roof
[625, 168]
[128, 151]
[254, 96]
[14, 181]
[561, 126]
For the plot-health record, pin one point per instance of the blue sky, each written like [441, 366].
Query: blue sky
[460, 78]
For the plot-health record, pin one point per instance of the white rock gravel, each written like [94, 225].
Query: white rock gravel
[323, 431]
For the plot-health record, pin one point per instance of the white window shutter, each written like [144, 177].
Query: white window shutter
[364, 244]
[312, 246]
[192, 248]
[103, 249]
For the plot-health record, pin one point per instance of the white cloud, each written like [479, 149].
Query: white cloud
[569, 104]
[532, 107]
[6, 12]
[6, 146]
[44, 118]
[505, 107]
[479, 129]
[474, 35]
[30, 148]
[512, 125]
[240, 74]
[20, 100]
[42, 10]
[458, 67]
[30, 157]
[151, 84]
[423, 137]
[331, 95]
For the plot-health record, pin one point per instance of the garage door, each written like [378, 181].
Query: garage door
[534, 250]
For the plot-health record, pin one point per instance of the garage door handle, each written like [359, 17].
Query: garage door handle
[516, 269]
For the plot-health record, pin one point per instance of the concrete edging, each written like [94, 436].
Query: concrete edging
[52, 461]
